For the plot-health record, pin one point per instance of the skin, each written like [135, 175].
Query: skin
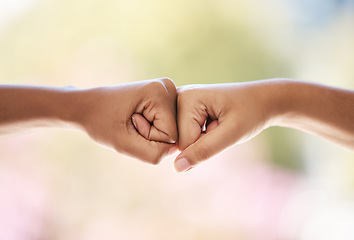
[236, 112]
[137, 119]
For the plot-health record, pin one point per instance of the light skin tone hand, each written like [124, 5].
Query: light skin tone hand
[236, 112]
[137, 119]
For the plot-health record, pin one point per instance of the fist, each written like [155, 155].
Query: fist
[212, 117]
[137, 119]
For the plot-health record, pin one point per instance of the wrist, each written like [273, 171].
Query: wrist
[277, 98]
[74, 107]
[88, 106]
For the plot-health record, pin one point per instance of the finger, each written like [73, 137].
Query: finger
[139, 147]
[207, 146]
[151, 151]
[165, 118]
[170, 86]
[163, 113]
[148, 131]
[141, 125]
[189, 123]
[211, 126]
[164, 127]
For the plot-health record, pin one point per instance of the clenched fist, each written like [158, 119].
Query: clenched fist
[137, 119]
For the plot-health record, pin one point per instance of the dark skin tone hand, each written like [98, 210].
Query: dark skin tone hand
[106, 114]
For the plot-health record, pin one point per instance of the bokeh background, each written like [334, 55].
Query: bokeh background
[58, 184]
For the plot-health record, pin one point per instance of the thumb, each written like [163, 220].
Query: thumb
[148, 131]
[211, 143]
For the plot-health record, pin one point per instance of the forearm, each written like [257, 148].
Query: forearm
[26, 107]
[320, 110]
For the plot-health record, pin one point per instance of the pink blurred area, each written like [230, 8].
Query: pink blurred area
[23, 196]
[237, 195]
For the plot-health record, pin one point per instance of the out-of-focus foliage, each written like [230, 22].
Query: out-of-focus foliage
[193, 42]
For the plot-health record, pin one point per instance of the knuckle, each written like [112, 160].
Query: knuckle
[167, 80]
[169, 86]
[156, 86]
[157, 89]
[187, 94]
[182, 97]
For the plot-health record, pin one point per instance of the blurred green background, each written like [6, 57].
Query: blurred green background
[57, 184]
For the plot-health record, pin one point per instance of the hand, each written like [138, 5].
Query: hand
[213, 117]
[233, 113]
[110, 113]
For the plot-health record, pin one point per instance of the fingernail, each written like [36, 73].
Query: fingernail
[172, 141]
[189, 169]
[172, 150]
[134, 122]
[182, 164]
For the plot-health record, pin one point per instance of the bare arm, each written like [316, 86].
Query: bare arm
[106, 114]
[236, 112]
[321, 110]
[23, 108]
